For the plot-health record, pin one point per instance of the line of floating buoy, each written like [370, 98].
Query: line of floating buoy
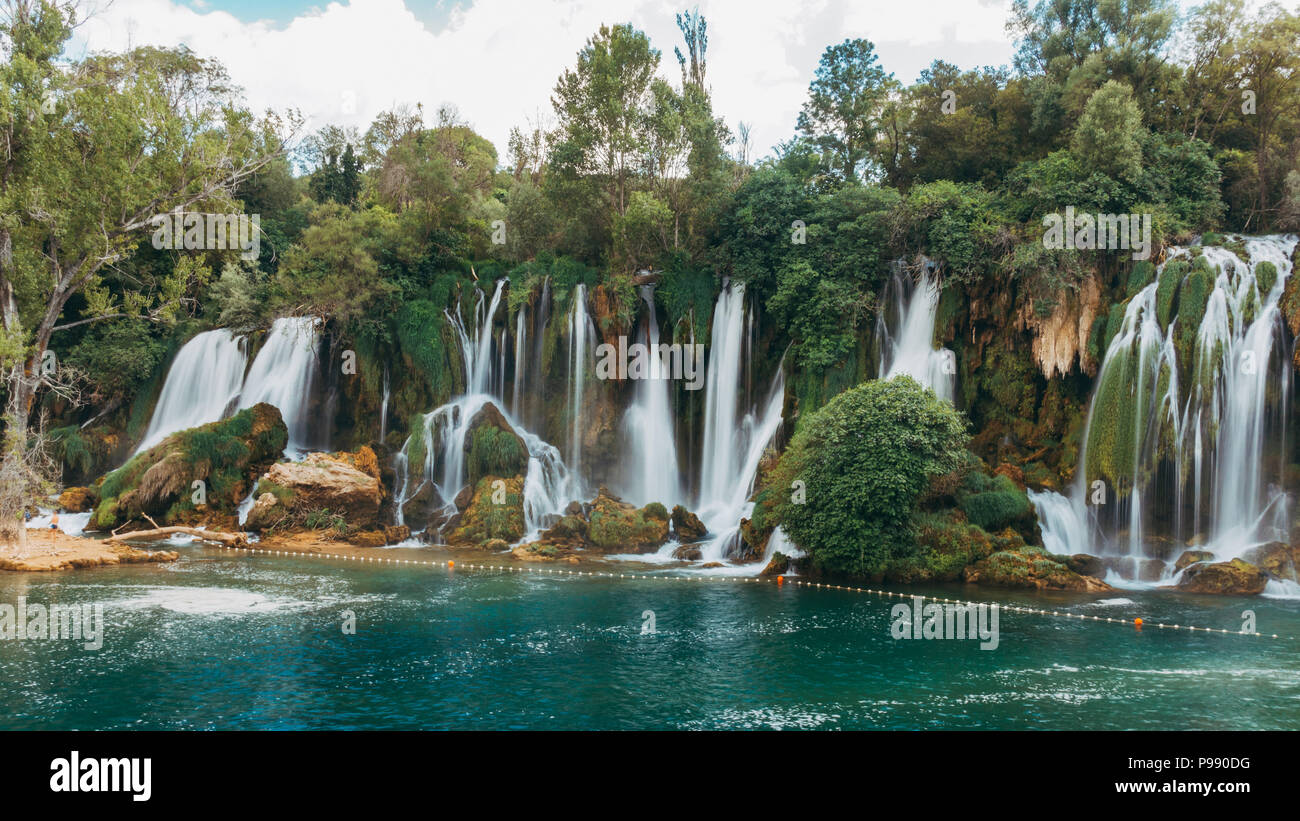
[779, 581]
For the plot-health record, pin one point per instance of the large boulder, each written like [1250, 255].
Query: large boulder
[320, 482]
[1237, 577]
[422, 508]
[77, 499]
[618, 527]
[223, 455]
[687, 527]
[1086, 565]
[570, 531]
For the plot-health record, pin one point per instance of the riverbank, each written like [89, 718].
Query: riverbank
[55, 550]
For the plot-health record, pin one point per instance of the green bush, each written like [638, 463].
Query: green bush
[992, 502]
[865, 458]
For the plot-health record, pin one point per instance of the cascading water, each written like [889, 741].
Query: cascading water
[581, 333]
[521, 344]
[732, 447]
[383, 408]
[478, 356]
[201, 386]
[649, 441]
[206, 382]
[282, 375]
[905, 328]
[441, 437]
[1185, 424]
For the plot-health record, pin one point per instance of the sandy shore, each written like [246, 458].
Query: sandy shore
[64, 552]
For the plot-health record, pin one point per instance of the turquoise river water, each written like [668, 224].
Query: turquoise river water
[225, 641]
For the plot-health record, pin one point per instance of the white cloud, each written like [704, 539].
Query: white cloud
[497, 60]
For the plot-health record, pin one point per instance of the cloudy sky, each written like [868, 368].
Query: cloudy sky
[497, 60]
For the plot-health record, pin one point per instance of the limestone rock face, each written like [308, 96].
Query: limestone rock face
[1062, 337]
[1237, 577]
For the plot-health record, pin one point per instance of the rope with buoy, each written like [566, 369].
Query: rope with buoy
[779, 581]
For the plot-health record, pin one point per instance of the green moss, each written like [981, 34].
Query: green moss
[1171, 276]
[1265, 276]
[1193, 296]
[222, 455]
[282, 494]
[495, 452]
[1114, 321]
[1140, 277]
[495, 512]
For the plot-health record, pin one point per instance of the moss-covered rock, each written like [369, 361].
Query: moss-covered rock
[993, 503]
[492, 448]
[495, 512]
[618, 527]
[1030, 568]
[687, 527]
[1277, 559]
[77, 499]
[223, 455]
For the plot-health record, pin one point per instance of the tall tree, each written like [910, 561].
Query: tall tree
[93, 151]
[846, 98]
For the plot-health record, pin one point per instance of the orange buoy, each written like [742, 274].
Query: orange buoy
[450, 565]
[1138, 623]
[780, 580]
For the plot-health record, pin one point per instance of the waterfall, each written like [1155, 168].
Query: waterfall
[383, 408]
[581, 333]
[722, 514]
[1166, 445]
[201, 385]
[905, 328]
[478, 354]
[282, 375]
[650, 445]
[733, 443]
[206, 382]
[441, 437]
[720, 452]
[521, 344]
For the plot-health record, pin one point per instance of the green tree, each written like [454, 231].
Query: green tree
[1109, 136]
[845, 100]
[95, 150]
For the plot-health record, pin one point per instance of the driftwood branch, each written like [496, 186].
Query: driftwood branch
[230, 539]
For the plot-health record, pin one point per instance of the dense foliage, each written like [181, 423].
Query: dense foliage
[864, 460]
